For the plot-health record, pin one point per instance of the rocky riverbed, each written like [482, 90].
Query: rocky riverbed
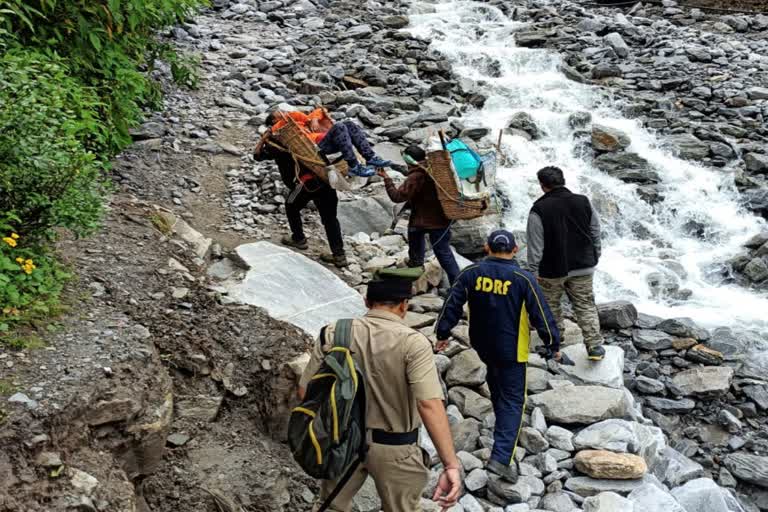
[151, 362]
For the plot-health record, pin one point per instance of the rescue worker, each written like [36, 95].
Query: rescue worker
[427, 216]
[402, 391]
[305, 186]
[334, 137]
[563, 251]
[503, 301]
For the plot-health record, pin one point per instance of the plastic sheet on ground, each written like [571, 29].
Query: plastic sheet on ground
[293, 288]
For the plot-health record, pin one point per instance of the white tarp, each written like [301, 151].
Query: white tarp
[293, 288]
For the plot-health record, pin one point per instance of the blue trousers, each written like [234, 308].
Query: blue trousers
[344, 137]
[508, 387]
[441, 246]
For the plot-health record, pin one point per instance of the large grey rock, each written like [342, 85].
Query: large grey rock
[668, 406]
[470, 504]
[674, 469]
[619, 314]
[470, 403]
[701, 495]
[465, 434]
[755, 366]
[317, 296]
[614, 435]
[605, 138]
[757, 269]
[519, 492]
[365, 214]
[466, 370]
[568, 405]
[756, 163]
[608, 502]
[749, 468]
[477, 479]
[689, 146]
[538, 379]
[704, 381]
[557, 502]
[532, 440]
[524, 122]
[627, 167]
[609, 372]
[469, 236]
[650, 498]
[585, 486]
[646, 339]
[615, 41]
[683, 328]
[560, 438]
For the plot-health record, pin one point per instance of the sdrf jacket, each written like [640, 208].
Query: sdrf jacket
[504, 301]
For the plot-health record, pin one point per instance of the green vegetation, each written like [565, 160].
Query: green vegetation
[74, 78]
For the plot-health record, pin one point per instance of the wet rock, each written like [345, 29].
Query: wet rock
[756, 163]
[748, 468]
[620, 314]
[608, 373]
[689, 146]
[608, 502]
[524, 122]
[704, 355]
[567, 405]
[704, 381]
[579, 119]
[757, 270]
[683, 328]
[755, 365]
[466, 370]
[645, 339]
[651, 498]
[395, 21]
[675, 469]
[605, 138]
[759, 395]
[533, 39]
[628, 167]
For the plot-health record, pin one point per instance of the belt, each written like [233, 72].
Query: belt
[394, 438]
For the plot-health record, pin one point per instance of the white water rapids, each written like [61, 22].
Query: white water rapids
[637, 240]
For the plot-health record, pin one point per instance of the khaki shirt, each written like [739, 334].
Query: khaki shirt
[398, 365]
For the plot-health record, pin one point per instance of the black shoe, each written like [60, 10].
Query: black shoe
[340, 260]
[507, 473]
[301, 245]
[595, 353]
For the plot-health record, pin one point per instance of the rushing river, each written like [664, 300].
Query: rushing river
[641, 244]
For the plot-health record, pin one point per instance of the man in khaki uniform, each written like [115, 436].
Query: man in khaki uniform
[402, 390]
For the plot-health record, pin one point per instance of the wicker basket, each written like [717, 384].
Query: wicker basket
[293, 138]
[454, 205]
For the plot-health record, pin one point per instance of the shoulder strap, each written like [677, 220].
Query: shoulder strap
[342, 334]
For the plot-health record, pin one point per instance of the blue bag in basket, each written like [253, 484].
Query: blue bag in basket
[465, 161]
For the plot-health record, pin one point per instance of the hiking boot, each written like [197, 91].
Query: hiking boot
[363, 171]
[290, 242]
[340, 260]
[379, 162]
[508, 473]
[595, 353]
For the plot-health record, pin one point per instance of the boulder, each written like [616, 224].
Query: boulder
[620, 314]
[627, 167]
[603, 464]
[608, 502]
[704, 381]
[609, 372]
[465, 434]
[468, 236]
[476, 479]
[466, 370]
[519, 492]
[646, 339]
[317, 296]
[615, 41]
[532, 440]
[683, 328]
[757, 269]
[538, 379]
[701, 495]
[675, 469]
[605, 138]
[585, 486]
[557, 502]
[612, 435]
[748, 468]
[524, 122]
[365, 214]
[756, 163]
[568, 405]
[689, 146]
[755, 366]
[470, 403]
[560, 438]
[650, 498]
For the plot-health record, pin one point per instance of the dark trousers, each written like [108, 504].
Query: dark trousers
[344, 137]
[441, 246]
[327, 201]
[508, 387]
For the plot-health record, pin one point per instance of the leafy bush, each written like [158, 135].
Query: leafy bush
[47, 177]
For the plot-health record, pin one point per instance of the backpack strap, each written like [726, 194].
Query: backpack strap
[342, 334]
[344, 369]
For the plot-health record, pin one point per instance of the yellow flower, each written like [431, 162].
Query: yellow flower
[10, 241]
[14, 236]
[29, 262]
[20, 261]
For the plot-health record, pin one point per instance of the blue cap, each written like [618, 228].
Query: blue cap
[501, 240]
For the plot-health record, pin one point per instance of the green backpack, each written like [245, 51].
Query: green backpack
[326, 432]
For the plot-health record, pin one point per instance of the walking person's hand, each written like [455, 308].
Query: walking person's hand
[441, 345]
[448, 488]
[314, 125]
[382, 173]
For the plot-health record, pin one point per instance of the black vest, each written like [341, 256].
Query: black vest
[568, 244]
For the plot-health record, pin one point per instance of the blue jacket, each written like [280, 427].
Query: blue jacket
[503, 301]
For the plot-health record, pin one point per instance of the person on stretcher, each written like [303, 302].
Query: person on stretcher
[334, 137]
